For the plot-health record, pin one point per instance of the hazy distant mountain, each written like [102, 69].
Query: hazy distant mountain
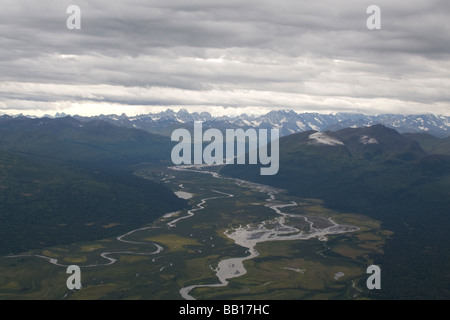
[95, 141]
[288, 122]
[430, 143]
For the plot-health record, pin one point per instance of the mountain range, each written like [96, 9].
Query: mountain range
[288, 122]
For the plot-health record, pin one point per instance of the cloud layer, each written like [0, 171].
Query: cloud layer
[224, 56]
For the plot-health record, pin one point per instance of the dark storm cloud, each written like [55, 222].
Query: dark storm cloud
[316, 55]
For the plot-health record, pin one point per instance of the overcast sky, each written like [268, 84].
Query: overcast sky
[225, 57]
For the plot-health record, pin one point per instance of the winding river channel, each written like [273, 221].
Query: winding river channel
[284, 227]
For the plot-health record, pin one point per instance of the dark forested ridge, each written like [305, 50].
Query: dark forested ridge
[64, 181]
[378, 172]
[430, 143]
[71, 141]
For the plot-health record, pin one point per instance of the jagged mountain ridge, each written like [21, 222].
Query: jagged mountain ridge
[288, 122]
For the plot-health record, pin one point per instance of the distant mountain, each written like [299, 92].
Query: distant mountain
[427, 123]
[324, 164]
[378, 172]
[288, 122]
[430, 143]
[160, 123]
[70, 140]
[63, 181]
[378, 141]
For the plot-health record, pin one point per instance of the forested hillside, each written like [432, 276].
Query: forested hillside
[62, 181]
[380, 173]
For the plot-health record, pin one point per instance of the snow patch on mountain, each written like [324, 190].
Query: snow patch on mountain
[323, 138]
[301, 125]
[368, 140]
